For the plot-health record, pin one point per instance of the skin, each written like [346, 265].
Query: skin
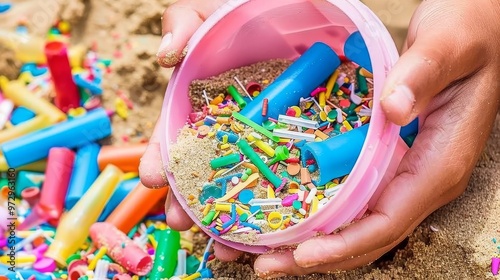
[447, 75]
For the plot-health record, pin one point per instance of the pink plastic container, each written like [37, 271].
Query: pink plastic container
[243, 32]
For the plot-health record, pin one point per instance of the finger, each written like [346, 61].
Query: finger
[180, 21]
[151, 169]
[224, 253]
[427, 68]
[280, 264]
[177, 218]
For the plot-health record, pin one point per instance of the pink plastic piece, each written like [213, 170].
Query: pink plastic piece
[40, 250]
[51, 204]
[121, 248]
[4, 222]
[495, 264]
[122, 276]
[31, 195]
[318, 90]
[288, 200]
[76, 269]
[252, 87]
[233, 37]
[45, 265]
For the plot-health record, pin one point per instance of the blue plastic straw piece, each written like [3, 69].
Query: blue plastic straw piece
[85, 171]
[73, 133]
[304, 75]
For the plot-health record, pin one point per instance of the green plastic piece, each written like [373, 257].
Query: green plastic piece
[208, 192]
[225, 161]
[236, 96]
[280, 153]
[297, 205]
[244, 177]
[208, 218]
[192, 264]
[73, 258]
[362, 85]
[255, 126]
[169, 242]
[269, 125]
[133, 231]
[247, 150]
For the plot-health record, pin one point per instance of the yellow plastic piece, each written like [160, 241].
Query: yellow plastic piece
[270, 192]
[97, 257]
[242, 185]
[275, 220]
[224, 207]
[74, 226]
[26, 127]
[331, 83]
[20, 259]
[266, 148]
[27, 48]
[314, 206]
[21, 96]
[322, 99]
[121, 108]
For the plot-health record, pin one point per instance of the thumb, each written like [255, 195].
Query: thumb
[431, 64]
[179, 22]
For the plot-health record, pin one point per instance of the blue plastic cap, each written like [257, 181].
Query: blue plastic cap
[410, 129]
[4, 7]
[206, 273]
[335, 156]
[355, 50]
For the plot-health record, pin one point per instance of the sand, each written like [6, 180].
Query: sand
[461, 247]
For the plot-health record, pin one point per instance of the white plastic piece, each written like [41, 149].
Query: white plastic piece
[298, 121]
[265, 201]
[181, 263]
[283, 133]
[6, 108]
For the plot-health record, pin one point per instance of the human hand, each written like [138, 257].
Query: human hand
[448, 76]
[179, 22]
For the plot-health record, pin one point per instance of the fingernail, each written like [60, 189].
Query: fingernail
[275, 275]
[165, 42]
[403, 97]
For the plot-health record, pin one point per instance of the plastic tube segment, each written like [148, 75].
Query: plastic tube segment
[311, 69]
[73, 133]
[169, 242]
[335, 156]
[135, 206]
[74, 226]
[19, 94]
[126, 158]
[67, 95]
[27, 48]
[122, 190]
[85, 171]
[37, 123]
[121, 248]
[55, 186]
[247, 150]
